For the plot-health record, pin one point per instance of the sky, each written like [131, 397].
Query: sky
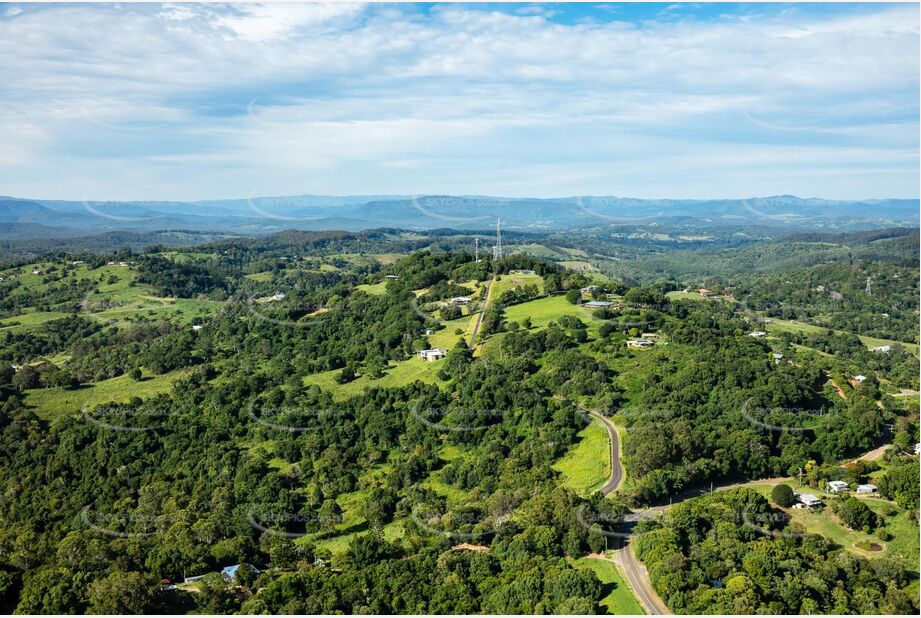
[192, 102]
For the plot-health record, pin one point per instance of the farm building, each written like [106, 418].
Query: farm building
[460, 300]
[867, 488]
[836, 486]
[229, 573]
[432, 355]
[597, 304]
[639, 343]
[806, 501]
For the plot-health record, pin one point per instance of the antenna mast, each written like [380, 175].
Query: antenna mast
[497, 250]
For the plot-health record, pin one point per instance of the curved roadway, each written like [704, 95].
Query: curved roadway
[635, 571]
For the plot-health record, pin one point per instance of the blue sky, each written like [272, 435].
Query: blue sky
[185, 101]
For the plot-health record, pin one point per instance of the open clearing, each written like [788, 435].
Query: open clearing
[587, 465]
[399, 374]
[52, 403]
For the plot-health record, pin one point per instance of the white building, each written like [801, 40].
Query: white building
[460, 300]
[196, 327]
[885, 349]
[868, 488]
[639, 343]
[757, 333]
[433, 355]
[597, 304]
[860, 378]
[836, 486]
[777, 357]
[806, 501]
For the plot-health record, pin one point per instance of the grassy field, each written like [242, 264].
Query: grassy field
[446, 338]
[618, 597]
[376, 288]
[545, 310]
[587, 465]
[29, 320]
[792, 326]
[508, 282]
[52, 403]
[904, 544]
[399, 374]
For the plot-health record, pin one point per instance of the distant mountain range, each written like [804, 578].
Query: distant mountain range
[30, 218]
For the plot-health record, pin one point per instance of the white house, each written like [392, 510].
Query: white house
[777, 357]
[460, 300]
[806, 501]
[836, 486]
[757, 333]
[859, 378]
[432, 355]
[597, 304]
[885, 349]
[639, 343]
[650, 335]
[868, 488]
[588, 289]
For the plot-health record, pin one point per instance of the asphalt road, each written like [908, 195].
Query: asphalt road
[635, 572]
[633, 569]
[617, 471]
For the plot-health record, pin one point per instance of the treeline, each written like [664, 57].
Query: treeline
[728, 411]
[731, 553]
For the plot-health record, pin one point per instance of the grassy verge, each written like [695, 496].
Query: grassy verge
[618, 598]
[587, 465]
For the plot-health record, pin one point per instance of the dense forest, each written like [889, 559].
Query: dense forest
[287, 439]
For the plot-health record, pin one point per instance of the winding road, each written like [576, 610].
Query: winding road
[617, 470]
[624, 556]
[635, 573]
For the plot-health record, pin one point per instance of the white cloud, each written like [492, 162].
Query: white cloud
[455, 98]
